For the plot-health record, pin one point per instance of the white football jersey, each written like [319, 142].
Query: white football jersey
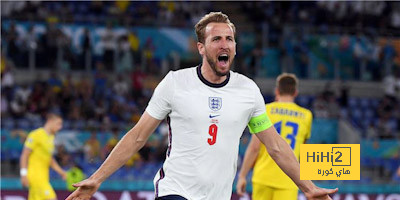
[206, 122]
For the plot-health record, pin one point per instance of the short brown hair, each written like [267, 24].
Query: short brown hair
[51, 116]
[287, 84]
[217, 17]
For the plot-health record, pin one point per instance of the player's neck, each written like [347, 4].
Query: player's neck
[47, 129]
[286, 99]
[210, 75]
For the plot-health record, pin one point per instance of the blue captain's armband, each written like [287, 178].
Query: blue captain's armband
[259, 123]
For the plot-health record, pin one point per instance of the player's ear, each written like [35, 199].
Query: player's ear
[276, 91]
[200, 47]
[295, 93]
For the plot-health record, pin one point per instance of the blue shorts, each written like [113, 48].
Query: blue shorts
[171, 197]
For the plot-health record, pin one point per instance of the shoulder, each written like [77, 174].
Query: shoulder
[182, 72]
[182, 75]
[269, 105]
[36, 133]
[242, 81]
[34, 137]
[307, 112]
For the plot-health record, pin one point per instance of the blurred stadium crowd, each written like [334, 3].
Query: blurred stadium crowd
[326, 15]
[108, 98]
[357, 44]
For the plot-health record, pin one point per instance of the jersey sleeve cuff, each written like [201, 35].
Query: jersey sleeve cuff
[153, 114]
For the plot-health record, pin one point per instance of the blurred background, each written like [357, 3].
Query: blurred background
[97, 63]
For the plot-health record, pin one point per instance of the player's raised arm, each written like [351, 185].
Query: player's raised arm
[131, 143]
[283, 155]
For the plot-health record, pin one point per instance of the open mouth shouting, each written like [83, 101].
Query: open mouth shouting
[223, 60]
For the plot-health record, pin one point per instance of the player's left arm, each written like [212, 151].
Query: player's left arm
[54, 165]
[283, 155]
[23, 163]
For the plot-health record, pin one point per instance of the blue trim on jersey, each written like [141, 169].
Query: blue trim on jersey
[214, 85]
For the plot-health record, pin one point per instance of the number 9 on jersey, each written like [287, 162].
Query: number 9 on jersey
[212, 131]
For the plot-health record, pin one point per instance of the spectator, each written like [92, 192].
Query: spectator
[11, 7]
[359, 57]
[87, 107]
[66, 97]
[125, 59]
[45, 103]
[29, 46]
[100, 110]
[50, 45]
[389, 53]
[86, 49]
[85, 86]
[396, 115]
[7, 82]
[36, 97]
[30, 40]
[105, 125]
[68, 82]
[100, 81]
[17, 108]
[111, 143]
[62, 156]
[385, 107]
[121, 87]
[148, 54]
[344, 94]
[65, 59]
[320, 107]
[54, 82]
[23, 92]
[137, 80]
[386, 127]
[74, 175]
[114, 113]
[396, 175]
[333, 108]
[108, 40]
[4, 107]
[122, 5]
[92, 148]
[255, 64]
[371, 132]
[391, 84]
[97, 7]
[135, 160]
[134, 42]
[13, 50]
[74, 113]
[395, 17]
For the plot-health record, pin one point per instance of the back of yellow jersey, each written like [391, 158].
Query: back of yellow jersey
[293, 123]
[41, 145]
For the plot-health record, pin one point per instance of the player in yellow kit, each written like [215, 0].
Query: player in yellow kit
[293, 123]
[37, 158]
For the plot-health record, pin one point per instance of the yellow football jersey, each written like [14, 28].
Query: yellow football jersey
[42, 146]
[293, 123]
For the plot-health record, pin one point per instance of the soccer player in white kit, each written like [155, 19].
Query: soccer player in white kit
[207, 108]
